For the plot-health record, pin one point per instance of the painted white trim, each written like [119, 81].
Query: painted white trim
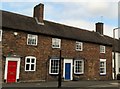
[117, 60]
[30, 57]
[36, 37]
[38, 21]
[71, 62]
[79, 44]
[101, 46]
[0, 34]
[6, 67]
[53, 40]
[82, 67]
[50, 67]
[103, 60]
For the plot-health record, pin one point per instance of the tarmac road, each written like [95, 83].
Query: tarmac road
[60, 88]
[65, 85]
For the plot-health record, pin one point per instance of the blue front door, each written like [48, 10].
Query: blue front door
[67, 71]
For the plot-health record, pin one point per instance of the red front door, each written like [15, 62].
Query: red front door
[11, 73]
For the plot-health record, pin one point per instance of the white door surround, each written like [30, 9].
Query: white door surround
[71, 69]
[6, 67]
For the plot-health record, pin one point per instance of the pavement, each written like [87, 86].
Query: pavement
[66, 84]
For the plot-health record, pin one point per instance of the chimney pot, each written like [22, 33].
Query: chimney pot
[99, 28]
[39, 13]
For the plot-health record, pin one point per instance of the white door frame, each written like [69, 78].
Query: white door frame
[6, 67]
[71, 62]
[117, 61]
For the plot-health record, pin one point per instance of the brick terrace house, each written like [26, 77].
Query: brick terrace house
[31, 49]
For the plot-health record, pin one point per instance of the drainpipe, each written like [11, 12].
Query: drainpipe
[59, 75]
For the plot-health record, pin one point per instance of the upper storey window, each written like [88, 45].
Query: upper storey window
[56, 43]
[32, 39]
[79, 46]
[102, 49]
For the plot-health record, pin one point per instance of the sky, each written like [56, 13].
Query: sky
[77, 13]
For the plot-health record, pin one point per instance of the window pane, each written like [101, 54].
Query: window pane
[55, 42]
[30, 63]
[28, 60]
[32, 60]
[29, 41]
[78, 46]
[102, 70]
[32, 66]
[78, 66]
[54, 66]
[101, 64]
[102, 49]
[27, 66]
[32, 39]
[103, 67]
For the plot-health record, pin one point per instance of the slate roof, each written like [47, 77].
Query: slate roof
[117, 43]
[29, 24]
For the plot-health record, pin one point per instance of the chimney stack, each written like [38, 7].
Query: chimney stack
[39, 13]
[99, 27]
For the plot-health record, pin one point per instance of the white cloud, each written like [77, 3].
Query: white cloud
[59, 0]
[83, 14]
[22, 0]
[79, 23]
[108, 30]
[23, 8]
[93, 10]
[81, 0]
[108, 9]
[86, 14]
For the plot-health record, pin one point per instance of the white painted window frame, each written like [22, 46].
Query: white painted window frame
[80, 44]
[34, 37]
[56, 40]
[30, 57]
[102, 49]
[51, 65]
[103, 60]
[81, 66]
[0, 34]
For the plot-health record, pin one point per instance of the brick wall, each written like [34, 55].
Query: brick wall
[43, 51]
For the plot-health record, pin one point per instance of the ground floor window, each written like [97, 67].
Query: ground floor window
[30, 63]
[78, 66]
[54, 66]
[102, 66]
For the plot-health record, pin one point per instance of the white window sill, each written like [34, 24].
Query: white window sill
[31, 45]
[29, 70]
[56, 47]
[78, 73]
[78, 50]
[102, 74]
[53, 73]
